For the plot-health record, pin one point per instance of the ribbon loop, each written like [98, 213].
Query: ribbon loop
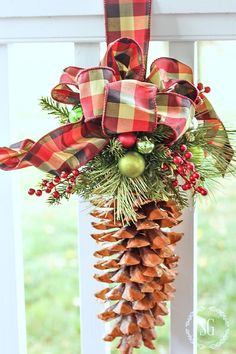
[91, 83]
[129, 107]
[166, 71]
[126, 58]
[176, 112]
[63, 92]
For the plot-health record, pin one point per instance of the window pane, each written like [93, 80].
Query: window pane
[216, 227]
[49, 233]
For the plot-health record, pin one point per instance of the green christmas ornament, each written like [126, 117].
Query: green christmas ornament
[198, 155]
[145, 146]
[75, 114]
[132, 164]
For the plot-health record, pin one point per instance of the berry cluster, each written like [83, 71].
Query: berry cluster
[187, 170]
[51, 186]
[202, 89]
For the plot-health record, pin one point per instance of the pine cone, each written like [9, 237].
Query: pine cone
[139, 261]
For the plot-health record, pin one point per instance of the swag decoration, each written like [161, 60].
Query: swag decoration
[134, 146]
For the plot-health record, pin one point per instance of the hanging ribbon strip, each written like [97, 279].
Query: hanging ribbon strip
[116, 97]
[130, 19]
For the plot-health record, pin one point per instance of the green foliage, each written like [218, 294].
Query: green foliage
[102, 179]
[54, 108]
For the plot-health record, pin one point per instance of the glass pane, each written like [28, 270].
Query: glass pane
[49, 233]
[216, 227]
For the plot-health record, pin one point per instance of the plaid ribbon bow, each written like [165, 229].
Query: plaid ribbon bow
[116, 97]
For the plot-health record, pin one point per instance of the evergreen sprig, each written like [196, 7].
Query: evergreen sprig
[54, 108]
[102, 180]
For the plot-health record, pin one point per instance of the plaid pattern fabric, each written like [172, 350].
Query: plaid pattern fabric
[129, 18]
[175, 111]
[218, 137]
[166, 71]
[130, 106]
[62, 149]
[63, 92]
[117, 98]
[91, 84]
[125, 57]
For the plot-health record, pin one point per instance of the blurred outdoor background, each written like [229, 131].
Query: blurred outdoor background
[50, 239]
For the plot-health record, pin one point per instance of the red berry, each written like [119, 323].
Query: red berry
[72, 179]
[57, 179]
[190, 166]
[165, 167]
[204, 192]
[127, 140]
[186, 186]
[207, 89]
[56, 194]
[64, 174]
[50, 185]
[39, 193]
[188, 155]
[48, 190]
[175, 183]
[200, 86]
[45, 182]
[75, 173]
[201, 95]
[196, 175]
[181, 170]
[31, 191]
[177, 160]
[192, 178]
[69, 189]
[183, 147]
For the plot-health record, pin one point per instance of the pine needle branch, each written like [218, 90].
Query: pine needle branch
[54, 108]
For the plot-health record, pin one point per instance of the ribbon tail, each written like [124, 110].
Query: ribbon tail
[63, 149]
[217, 133]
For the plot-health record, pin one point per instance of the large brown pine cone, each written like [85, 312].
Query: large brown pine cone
[139, 259]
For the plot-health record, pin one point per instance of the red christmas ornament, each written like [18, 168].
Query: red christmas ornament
[127, 140]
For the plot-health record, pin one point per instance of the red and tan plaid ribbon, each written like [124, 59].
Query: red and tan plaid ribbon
[129, 18]
[116, 97]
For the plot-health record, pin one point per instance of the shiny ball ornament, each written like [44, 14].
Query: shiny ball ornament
[127, 140]
[75, 114]
[197, 155]
[132, 164]
[145, 146]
